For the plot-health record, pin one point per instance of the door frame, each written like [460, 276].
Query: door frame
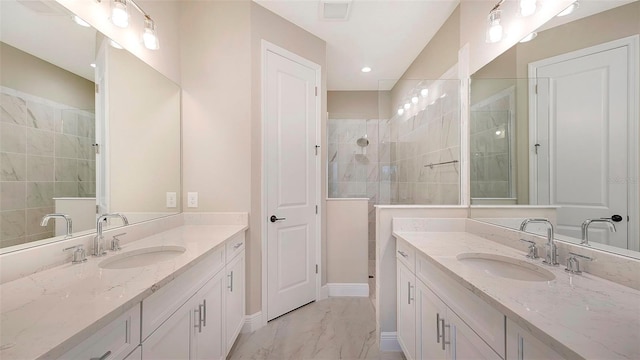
[270, 47]
[633, 44]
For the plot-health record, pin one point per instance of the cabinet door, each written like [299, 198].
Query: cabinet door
[464, 343]
[135, 354]
[234, 300]
[172, 340]
[431, 313]
[521, 345]
[406, 311]
[207, 332]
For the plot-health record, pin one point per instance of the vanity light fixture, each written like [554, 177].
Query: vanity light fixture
[571, 8]
[80, 22]
[366, 69]
[529, 37]
[494, 28]
[149, 36]
[527, 7]
[120, 13]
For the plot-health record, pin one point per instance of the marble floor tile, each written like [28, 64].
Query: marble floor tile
[335, 328]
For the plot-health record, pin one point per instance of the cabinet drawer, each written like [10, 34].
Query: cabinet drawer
[114, 341]
[235, 246]
[406, 254]
[486, 321]
[158, 307]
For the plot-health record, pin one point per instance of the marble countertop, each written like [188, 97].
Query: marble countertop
[46, 314]
[579, 316]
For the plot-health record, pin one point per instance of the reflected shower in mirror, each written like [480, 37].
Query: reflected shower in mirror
[554, 122]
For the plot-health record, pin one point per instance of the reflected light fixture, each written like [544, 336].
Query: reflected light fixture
[529, 37]
[407, 106]
[415, 99]
[571, 8]
[119, 13]
[424, 92]
[366, 69]
[527, 7]
[149, 36]
[400, 111]
[80, 22]
[494, 29]
[92, 65]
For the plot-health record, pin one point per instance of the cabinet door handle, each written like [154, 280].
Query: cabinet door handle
[198, 325]
[409, 298]
[204, 311]
[404, 254]
[103, 357]
[443, 326]
[236, 246]
[230, 281]
[520, 347]
[438, 328]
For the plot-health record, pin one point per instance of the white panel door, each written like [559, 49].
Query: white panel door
[207, 334]
[582, 157]
[431, 313]
[172, 340]
[290, 129]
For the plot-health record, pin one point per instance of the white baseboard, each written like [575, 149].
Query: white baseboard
[324, 292]
[348, 289]
[389, 342]
[252, 323]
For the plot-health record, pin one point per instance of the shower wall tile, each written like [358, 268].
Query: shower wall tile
[40, 168]
[86, 170]
[13, 224]
[13, 138]
[40, 194]
[13, 167]
[66, 169]
[66, 146]
[69, 123]
[40, 142]
[40, 236]
[87, 126]
[13, 109]
[65, 189]
[40, 116]
[13, 195]
[87, 189]
[34, 217]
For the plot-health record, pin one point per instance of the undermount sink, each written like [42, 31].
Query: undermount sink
[142, 257]
[506, 267]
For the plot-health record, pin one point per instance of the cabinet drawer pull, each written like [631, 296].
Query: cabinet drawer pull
[230, 281]
[438, 328]
[204, 308]
[443, 326]
[409, 298]
[103, 357]
[236, 246]
[404, 254]
[198, 319]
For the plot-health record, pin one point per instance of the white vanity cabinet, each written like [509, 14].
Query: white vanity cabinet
[429, 315]
[521, 345]
[234, 299]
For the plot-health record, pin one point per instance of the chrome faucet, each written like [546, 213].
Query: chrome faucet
[67, 218]
[585, 228]
[98, 240]
[551, 257]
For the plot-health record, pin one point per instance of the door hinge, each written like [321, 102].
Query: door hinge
[317, 147]
[316, 209]
[97, 88]
[96, 148]
[97, 209]
[536, 90]
[316, 268]
[316, 91]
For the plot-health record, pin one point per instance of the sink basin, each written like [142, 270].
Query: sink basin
[142, 257]
[506, 267]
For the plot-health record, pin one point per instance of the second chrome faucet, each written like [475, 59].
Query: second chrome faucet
[551, 257]
[98, 241]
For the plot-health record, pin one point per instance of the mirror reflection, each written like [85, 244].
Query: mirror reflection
[554, 121]
[67, 145]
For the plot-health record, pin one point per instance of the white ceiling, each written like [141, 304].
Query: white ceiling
[386, 35]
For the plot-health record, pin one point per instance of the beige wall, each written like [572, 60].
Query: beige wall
[166, 16]
[347, 236]
[355, 104]
[440, 54]
[29, 74]
[265, 25]
[143, 116]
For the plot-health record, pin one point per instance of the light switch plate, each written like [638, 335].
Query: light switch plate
[171, 199]
[192, 199]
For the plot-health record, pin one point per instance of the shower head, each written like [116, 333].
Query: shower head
[363, 141]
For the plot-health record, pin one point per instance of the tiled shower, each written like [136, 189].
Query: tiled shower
[45, 152]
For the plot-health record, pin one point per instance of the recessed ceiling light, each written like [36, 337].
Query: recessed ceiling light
[80, 22]
[366, 69]
[569, 9]
[92, 65]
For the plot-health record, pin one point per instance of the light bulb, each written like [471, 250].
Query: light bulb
[407, 106]
[119, 13]
[527, 7]
[400, 110]
[149, 37]
[415, 99]
[494, 32]
[424, 92]
[80, 22]
[569, 9]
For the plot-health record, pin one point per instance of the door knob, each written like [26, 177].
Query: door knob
[273, 218]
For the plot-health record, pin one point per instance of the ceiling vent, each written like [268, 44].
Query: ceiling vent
[335, 10]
